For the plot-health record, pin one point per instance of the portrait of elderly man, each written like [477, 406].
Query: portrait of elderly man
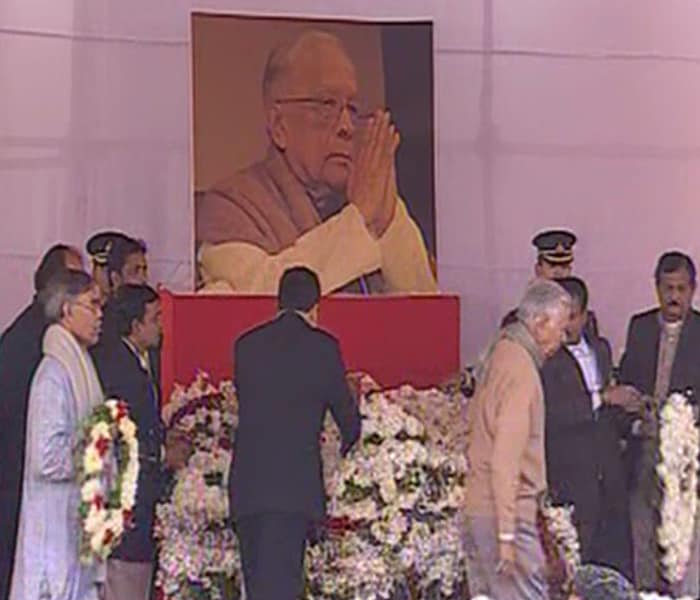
[325, 196]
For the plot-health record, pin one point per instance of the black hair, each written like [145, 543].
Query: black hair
[576, 288]
[121, 250]
[670, 262]
[299, 289]
[130, 304]
[52, 263]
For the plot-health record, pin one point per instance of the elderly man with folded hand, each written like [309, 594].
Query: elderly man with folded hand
[326, 194]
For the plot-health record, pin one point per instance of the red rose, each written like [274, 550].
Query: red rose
[102, 445]
[122, 410]
[340, 524]
[109, 536]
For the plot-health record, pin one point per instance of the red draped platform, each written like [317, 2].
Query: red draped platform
[396, 339]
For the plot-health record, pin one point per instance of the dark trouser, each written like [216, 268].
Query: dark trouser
[605, 529]
[9, 521]
[272, 552]
[611, 542]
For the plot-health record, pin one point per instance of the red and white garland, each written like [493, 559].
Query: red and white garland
[678, 475]
[108, 469]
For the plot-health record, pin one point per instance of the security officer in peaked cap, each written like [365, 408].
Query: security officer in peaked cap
[555, 259]
[98, 248]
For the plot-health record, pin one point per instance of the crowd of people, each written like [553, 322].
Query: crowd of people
[82, 339]
[552, 415]
[85, 338]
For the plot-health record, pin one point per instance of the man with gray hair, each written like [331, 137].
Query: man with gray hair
[505, 450]
[325, 196]
[65, 390]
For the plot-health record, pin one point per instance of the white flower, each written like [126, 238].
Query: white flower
[560, 524]
[113, 407]
[99, 430]
[388, 490]
[95, 519]
[96, 540]
[678, 473]
[370, 427]
[127, 428]
[92, 462]
[101, 528]
[414, 427]
[187, 422]
[115, 523]
[90, 489]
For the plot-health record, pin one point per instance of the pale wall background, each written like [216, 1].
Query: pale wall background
[548, 113]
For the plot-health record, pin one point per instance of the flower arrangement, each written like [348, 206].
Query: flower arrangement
[442, 414]
[393, 522]
[207, 414]
[561, 545]
[347, 565]
[393, 509]
[198, 551]
[107, 470]
[678, 474]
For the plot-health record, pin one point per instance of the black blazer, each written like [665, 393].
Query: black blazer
[123, 377]
[585, 463]
[110, 338]
[20, 354]
[638, 364]
[287, 374]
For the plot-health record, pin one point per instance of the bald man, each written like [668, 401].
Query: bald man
[325, 196]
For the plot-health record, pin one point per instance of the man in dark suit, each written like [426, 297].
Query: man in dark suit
[640, 366]
[121, 261]
[20, 353]
[118, 260]
[586, 420]
[662, 356]
[555, 260]
[288, 373]
[126, 372]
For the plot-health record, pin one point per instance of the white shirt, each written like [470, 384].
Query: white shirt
[585, 357]
[142, 357]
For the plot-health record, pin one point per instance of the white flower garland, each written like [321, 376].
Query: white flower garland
[560, 525]
[678, 475]
[106, 510]
[398, 493]
[197, 549]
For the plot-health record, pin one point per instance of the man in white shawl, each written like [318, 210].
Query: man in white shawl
[65, 389]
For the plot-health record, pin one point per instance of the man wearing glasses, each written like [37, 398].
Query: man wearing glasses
[324, 197]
